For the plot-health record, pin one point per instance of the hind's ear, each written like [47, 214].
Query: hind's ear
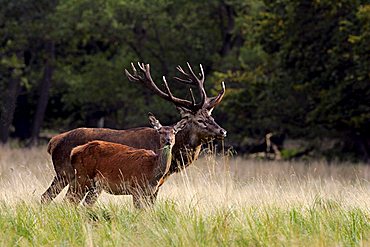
[180, 125]
[154, 122]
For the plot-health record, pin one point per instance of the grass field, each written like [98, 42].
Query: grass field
[218, 201]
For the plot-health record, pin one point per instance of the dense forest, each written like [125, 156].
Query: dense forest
[299, 69]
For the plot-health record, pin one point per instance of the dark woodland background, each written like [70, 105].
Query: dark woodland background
[299, 69]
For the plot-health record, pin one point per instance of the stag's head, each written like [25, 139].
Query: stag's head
[200, 124]
[166, 133]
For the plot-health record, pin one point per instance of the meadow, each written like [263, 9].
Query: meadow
[220, 200]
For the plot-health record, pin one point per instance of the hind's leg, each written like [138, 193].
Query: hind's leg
[94, 191]
[64, 174]
[76, 192]
[78, 188]
[92, 195]
[75, 197]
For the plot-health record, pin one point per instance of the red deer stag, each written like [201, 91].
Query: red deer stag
[201, 127]
[120, 169]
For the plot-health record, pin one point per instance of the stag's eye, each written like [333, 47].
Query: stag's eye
[202, 123]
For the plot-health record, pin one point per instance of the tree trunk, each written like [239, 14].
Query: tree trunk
[44, 92]
[227, 14]
[8, 107]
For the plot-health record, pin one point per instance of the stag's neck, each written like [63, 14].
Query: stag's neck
[186, 149]
[164, 159]
[188, 139]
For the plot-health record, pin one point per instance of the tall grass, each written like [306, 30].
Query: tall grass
[220, 200]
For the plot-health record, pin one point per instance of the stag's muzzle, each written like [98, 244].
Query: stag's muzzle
[223, 133]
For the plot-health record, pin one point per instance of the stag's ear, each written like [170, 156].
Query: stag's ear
[214, 101]
[185, 113]
[154, 122]
[180, 125]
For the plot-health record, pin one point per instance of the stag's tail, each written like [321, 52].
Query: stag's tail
[51, 145]
[55, 142]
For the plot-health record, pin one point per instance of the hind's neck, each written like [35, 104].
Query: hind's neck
[165, 157]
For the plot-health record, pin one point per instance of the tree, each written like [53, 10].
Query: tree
[315, 44]
[12, 61]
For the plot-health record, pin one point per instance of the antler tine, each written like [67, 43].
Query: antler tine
[133, 68]
[150, 83]
[135, 76]
[192, 96]
[200, 82]
[142, 66]
[179, 68]
[167, 88]
[188, 79]
[130, 77]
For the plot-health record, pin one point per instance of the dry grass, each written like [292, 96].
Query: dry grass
[213, 181]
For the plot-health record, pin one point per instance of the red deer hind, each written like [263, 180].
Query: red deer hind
[201, 128]
[120, 169]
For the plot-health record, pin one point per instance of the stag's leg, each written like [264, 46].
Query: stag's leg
[144, 197]
[57, 185]
[138, 200]
[64, 174]
[141, 201]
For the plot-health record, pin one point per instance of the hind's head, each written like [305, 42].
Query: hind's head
[166, 133]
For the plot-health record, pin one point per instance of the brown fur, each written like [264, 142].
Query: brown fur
[120, 169]
[55, 141]
[185, 151]
[109, 160]
[60, 148]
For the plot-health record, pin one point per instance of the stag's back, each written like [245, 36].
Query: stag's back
[60, 146]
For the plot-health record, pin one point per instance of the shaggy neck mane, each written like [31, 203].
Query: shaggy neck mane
[187, 137]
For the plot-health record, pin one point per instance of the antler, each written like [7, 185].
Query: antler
[190, 79]
[146, 79]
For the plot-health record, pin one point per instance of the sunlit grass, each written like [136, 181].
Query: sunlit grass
[217, 201]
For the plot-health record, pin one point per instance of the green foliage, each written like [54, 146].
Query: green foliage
[304, 72]
[313, 43]
[294, 67]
